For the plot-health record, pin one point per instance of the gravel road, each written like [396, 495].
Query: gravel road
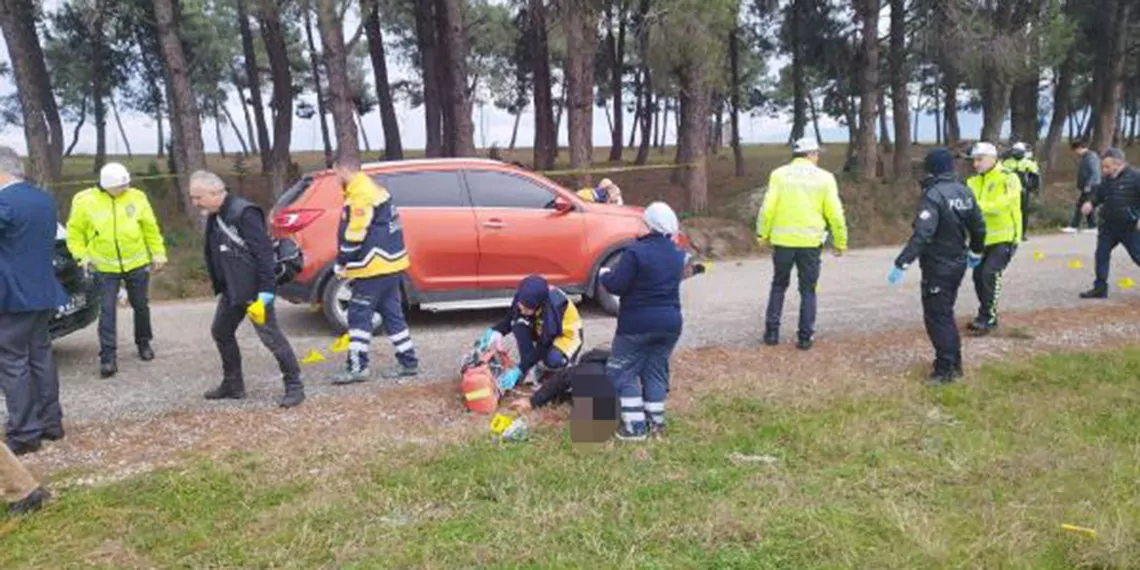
[722, 308]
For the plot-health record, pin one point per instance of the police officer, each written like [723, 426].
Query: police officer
[947, 218]
[1118, 196]
[1020, 162]
[372, 255]
[801, 205]
[113, 229]
[998, 194]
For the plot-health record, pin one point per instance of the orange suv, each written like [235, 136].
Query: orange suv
[473, 228]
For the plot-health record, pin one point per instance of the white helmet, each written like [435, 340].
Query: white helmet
[114, 175]
[983, 149]
[1020, 147]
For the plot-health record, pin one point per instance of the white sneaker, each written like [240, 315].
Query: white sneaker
[1088, 231]
[1069, 230]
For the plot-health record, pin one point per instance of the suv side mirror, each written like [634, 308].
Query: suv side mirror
[562, 205]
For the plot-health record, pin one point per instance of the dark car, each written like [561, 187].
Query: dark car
[82, 306]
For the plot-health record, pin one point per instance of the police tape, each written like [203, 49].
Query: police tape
[96, 182]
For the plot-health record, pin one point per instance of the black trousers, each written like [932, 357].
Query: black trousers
[28, 377]
[806, 261]
[1024, 213]
[1108, 237]
[227, 318]
[1076, 221]
[939, 295]
[988, 279]
[137, 283]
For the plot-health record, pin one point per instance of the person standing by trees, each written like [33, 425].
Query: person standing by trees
[998, 193]
[1088, 177]
[1028, 173]
[113, 230]
[801, 204]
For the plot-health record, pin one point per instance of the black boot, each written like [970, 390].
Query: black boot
[24, 447]
[294, 394]
[108, 367]
[805, 343]
[227, 391]
[944, 377]
[1095, 293]
[146, 353]
[771, 337]
[30, 504]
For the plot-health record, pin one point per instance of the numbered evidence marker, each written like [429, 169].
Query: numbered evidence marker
[500, 423]
[1075, 264]
[313, 357]
[1126, 283]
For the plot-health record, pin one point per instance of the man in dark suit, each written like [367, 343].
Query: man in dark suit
[29, 295]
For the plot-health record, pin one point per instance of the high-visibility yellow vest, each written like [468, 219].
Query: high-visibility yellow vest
[116, 234]
[998, 193]
[801, 205]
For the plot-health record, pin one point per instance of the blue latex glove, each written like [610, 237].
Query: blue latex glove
[266, 298]
[895, 276]
[973, 260]
[510, 378]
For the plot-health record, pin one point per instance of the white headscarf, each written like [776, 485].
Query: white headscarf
[662, 219]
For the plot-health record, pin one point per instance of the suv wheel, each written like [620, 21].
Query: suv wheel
[608, 301]
[334, 303]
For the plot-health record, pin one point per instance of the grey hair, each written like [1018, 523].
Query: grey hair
[10, 162]
[207, 181]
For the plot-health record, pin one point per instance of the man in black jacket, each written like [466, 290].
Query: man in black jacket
[1118, 196]
[239, 257]
[594, 415]
[947, 218]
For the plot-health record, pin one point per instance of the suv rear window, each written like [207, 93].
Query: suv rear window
[424, 189]
[292, 193]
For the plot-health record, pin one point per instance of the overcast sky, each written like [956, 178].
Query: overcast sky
[491, 125]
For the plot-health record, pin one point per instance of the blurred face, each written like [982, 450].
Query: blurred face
[115, 190]
[208, 200]
[984, 163]
[1080, 150]
[343, 175]
[1110, 167]
[813, 157]
[527, 311]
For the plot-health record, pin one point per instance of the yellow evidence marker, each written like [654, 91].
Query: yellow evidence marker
[500, 423]
[1084, 531]
[313, 357]
[340, 344]
[256, 312]
[1038, 256]
[1126, 283]
[1075, 264]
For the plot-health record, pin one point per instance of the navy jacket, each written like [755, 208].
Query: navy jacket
[28, 226]
[1119, 198]
[648, 281]
[239, 253]
[948, 218]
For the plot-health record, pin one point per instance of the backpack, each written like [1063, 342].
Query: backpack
[478, 377]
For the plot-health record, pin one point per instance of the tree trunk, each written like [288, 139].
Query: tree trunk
[953, 131]
[43, 129]
[393, 145]
[814, 118]
[458, 128]
[900, 100]
[119, 124]
[363, 133]
[99, 87]
[1061, 105]
[692, 137]
[1023, 112]
[79, 125]
[340, 97]
[429, 65]
[636, 110]
[617, 72]
[545, 134]
[734, 99]
[237, 131]
[868, 11]
[183, 104]
[717, 135]
[1117, 14]
[995, 104]
[315, 66]
[663, 128]
[273, 34]
[253, 79]
[884, 129]
[218, 131]
[581, 22]
[161, 135]
[515, 131]
[648, 116]
[799, 81]
[248, 122]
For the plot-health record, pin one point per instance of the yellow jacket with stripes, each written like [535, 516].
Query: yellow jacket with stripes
[801, 205]
[371, 237]
[998, 193]
[115, 234]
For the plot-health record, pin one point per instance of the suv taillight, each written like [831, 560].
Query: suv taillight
[293, 221]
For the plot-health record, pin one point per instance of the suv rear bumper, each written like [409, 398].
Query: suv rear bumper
[61, 325]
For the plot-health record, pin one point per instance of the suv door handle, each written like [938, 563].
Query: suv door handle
[494, 224]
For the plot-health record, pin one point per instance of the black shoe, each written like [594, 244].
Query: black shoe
[225, 392]
[1095, 293]
[24, 447]
[983, 326]
[30, 504]
[292, 398]
[146, 353]
[805, 344]
[400, 371]
[771, 338]
[657, 431]
[108, 368]
[943, 377]
[52, 435]
[625, 433]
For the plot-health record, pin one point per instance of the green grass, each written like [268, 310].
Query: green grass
[974, 476]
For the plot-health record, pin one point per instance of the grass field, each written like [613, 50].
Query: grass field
[974, 476]
[877, 213]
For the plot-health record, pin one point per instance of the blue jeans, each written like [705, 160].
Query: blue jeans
[639, 368]
[378, 295]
